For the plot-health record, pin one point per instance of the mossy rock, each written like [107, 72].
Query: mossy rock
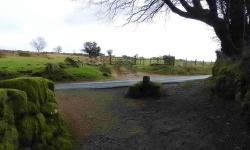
[28, 116]
[41, 120]
[36, 88]
[28, 129]
[63, 143]
[51, 97]
[49, 109]
[17, 100]
[32, 108]
[8, 115]
[151, 89]
[8, 136]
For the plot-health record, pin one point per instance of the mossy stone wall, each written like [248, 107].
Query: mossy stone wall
[29, 118]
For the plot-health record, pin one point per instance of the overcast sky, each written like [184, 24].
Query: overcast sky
[70, 24]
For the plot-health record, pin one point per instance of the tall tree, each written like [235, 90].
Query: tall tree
[92, 49]
[230, 19]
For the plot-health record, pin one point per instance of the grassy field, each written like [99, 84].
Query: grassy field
[176, 70]
[34, 62]
[14, 65]
[87, 72]
[17, 63]
[26, 66]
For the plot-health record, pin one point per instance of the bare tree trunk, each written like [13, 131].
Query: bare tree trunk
[110, 59]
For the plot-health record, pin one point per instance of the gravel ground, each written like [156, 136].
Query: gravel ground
[186, 118]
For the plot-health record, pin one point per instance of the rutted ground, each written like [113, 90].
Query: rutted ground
[184, 119]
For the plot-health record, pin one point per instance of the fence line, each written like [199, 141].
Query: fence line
[154, 61]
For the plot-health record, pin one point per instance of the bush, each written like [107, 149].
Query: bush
[62, 65]
[105, 69]
[145, 89]
[226, 77]
[119, 66]
[169, 60]
[4, 74]
[71, 62]
[24, 53]
[51, 68]
[54, 72]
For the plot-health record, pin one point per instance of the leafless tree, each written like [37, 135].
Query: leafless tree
[230, 19]
[58, 49]
[110, 52]
[39, 44]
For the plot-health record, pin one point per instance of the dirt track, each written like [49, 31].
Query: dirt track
[184, 119]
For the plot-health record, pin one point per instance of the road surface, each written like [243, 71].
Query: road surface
[126, 83]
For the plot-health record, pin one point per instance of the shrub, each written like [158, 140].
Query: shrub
[146, 88]
[169, 60]
[226, 77]
[24, 53]
[71, 62]
[105, 69]
[7, 74]
[54, 72]
[51, 68]
[62, 65]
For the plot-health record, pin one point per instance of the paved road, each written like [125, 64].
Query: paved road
[125, 83]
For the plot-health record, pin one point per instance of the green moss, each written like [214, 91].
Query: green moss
[17, 100]
[36, 88]
[8, 115]
[49, 109]
[227, 67]
[226, 80]
[41, 120]
[8, 136]
[63, 143]
[51, 85]
[32, 108]
[3, 97]
[28, 129]
[28, 116]
[51, 97]
[7, 146]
